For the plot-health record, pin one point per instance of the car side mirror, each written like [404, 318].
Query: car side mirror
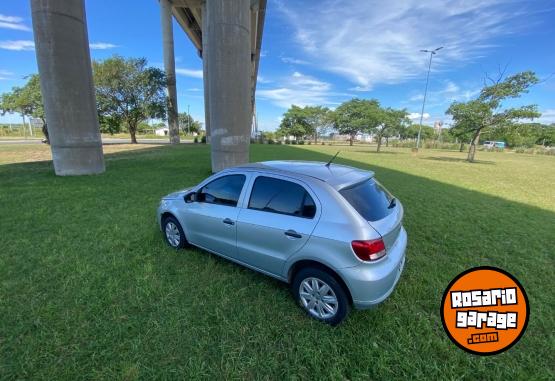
[191, 197]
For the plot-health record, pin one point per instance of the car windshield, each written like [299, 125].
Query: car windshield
[370, 199]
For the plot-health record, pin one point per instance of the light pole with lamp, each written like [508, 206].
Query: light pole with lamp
[432, 53]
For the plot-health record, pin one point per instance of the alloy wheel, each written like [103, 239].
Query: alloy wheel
[172, 234]
[318, 298]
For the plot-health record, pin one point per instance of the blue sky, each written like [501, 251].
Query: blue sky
[326, 52]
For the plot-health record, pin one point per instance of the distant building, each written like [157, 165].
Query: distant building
[163, 131]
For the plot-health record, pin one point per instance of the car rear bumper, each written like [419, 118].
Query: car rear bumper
[371, 283]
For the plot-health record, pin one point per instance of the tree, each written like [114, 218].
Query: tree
[187, 123]
[547, 135]
[305, 121]
[295, 122]
[27, 101]
[460, 132]
[318, 119]
[391, 121]
[129, 92]
[486, 112]
[355, 116]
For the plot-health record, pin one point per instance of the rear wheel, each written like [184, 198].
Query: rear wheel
[173, 232]
[320, 295]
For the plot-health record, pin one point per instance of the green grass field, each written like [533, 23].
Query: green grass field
[89, 289]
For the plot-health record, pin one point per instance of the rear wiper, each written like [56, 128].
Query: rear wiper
[392, 203]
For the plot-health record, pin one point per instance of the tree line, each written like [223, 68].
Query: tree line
[483, 116]
[350, 118]
[128, 93]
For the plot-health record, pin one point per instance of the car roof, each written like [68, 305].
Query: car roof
[336, 175]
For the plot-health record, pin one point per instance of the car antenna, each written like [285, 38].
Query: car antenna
[332, 159]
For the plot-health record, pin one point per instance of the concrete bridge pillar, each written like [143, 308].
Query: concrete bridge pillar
[228, 67]
[169, 67]
[64, 62]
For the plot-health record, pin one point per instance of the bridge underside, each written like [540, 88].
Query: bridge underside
[228, 37]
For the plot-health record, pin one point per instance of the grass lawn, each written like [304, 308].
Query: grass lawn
[89, 289]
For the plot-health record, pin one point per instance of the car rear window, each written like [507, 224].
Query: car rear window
[280, 196]
[370, 199]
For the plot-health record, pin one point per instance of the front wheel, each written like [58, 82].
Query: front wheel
[173, 232]
[320, 295]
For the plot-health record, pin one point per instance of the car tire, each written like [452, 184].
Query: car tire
[173, 233]
[327, 304]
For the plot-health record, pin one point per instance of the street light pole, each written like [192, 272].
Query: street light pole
[432, 52]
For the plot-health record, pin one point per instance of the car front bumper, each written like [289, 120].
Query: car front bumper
[371, 283]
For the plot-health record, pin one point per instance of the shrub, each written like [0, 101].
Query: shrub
[195, 140]
[271, 141]
[287, 141]
[294, 142]
[203, 139]
[309, 142]
[323, 143]
[301, 142]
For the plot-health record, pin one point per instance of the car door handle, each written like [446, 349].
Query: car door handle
[229, 221]
[293, 234]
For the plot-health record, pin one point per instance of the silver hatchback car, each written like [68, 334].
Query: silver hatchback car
[331, 231]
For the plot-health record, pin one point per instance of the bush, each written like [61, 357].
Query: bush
[301, 142]
[287, 141]
[271, 141]
[294, 142]
[195, 140]
[203, 139]
[323, 143]
[536, 151]
[309, 142]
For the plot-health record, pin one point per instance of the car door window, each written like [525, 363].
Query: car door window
[224, 190]
[280, 196]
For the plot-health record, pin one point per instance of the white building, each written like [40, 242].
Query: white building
[164, 131]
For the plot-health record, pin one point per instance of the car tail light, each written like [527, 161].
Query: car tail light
[369, 250]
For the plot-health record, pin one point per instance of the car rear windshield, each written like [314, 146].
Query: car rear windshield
[370, 199]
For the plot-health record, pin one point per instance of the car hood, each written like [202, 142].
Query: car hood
[175, 195]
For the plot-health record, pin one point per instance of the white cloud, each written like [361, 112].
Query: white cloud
[548, 117]
[291, 60]
[102, 45]
[5, 74]
[17, 45]
[416, 116]
[447, 94]
[262, 79]
[30, 45]
[301, 90]
[13, 22]
[371, 42]
[189, 72]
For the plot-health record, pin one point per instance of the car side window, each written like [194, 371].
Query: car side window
[222, 191]
[280, 196]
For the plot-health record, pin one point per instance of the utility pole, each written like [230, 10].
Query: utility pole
[432, 53]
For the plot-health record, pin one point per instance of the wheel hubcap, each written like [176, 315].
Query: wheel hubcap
[172, 234]
[318, 298]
